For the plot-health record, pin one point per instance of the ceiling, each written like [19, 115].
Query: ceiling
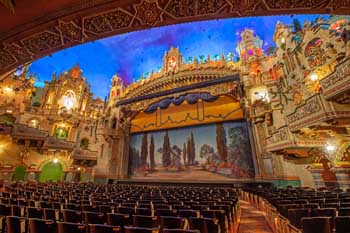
[40, 27]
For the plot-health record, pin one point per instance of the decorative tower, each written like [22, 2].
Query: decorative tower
[250, 46]
[117, 88]
[172, 60]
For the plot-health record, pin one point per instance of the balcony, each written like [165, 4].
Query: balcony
[57, 144]
[107, 131]
[84, 158]
[338, 83]
[79, 154]
[5, 129]
[25, 132]
[283, 139]
[315, 110]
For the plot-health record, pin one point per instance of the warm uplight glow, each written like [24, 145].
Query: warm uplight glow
[330, 148]
[314, 77]
[283, 40]
[78, 168]
[55, 160]
[8, 89]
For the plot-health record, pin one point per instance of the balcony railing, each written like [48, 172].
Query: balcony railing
[338, 82]
[283, 139]
[315, 110]
[58, 144]
[107, 131]
[25, 132]
[79, 154]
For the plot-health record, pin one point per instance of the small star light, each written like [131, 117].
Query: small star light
[314, 77]
[330, 148]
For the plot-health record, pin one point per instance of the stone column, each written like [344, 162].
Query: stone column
[124, 163]
[343, 177]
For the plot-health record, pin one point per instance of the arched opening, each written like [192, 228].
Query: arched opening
[51, 172]
[20, 172]
[114, 123]
[84, 143]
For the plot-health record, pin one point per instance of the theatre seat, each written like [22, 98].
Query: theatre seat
[141, 230]
[180, 231]
[99, 228]
[41, 226]
[172, 222]
[342, 224]
[68, 227]
[316, 225]
[145, 221]
[15, 224]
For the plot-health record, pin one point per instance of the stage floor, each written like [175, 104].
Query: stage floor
[187, 175]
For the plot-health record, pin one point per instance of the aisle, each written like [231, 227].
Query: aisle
[252, 220]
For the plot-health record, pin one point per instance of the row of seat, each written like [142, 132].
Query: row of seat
[124, 208]
[312, 211]
[16, 224]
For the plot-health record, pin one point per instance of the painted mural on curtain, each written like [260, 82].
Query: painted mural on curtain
[207, 152]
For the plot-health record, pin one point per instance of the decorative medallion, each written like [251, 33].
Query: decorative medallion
[148, 12]
[18, 51]
[70, 31]
[6, 59]
[43, 41]
[181, 8]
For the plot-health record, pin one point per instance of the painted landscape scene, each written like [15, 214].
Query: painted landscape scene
[218, 151]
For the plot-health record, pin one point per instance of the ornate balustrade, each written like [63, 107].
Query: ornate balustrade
[58, 144]
[25, 132]
[338, 82]
[314, 111]
[183, 78]
[79, 154]
[283, 139]
[5, 129]
[107, 131]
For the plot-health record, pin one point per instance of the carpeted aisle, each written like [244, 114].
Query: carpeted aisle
[252, 220]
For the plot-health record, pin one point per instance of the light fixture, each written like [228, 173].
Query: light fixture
[8, 89]
[283, 40]
[78, 168]
[314, 77]
[55, 160]
[330, 148]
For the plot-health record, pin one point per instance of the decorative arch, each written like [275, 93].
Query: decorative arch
[80, 22]
[51, 172]
[19, 173]
[84, 143]
[64, 162]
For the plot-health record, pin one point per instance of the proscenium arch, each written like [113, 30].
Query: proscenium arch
[84, 21]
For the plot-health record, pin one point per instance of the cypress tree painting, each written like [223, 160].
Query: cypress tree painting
[189, 151]
[221, 141]
[166, 150]
[144, 152]
[151, 154]
[193, 149]
[184, 154]
[223, 153]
